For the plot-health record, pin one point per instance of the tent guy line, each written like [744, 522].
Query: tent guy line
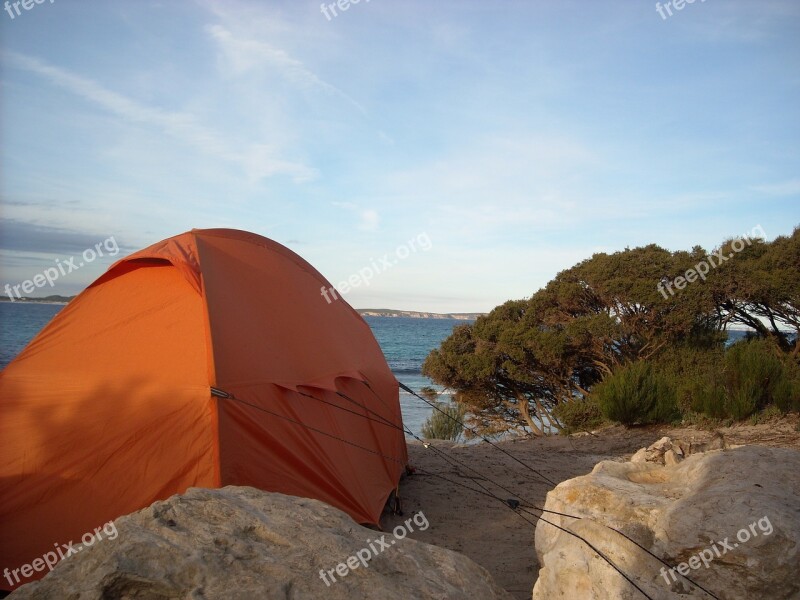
[510, 502]
[473, 431]
[487, 492]
[531, 504]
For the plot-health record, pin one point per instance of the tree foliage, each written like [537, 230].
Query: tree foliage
[514, 366]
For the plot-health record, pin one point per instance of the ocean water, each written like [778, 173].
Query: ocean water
[19, 323]
[405, 343]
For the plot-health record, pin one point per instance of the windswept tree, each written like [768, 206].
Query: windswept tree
[759, 286]
[512, 367]
[515, 365]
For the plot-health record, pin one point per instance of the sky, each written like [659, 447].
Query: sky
[465, 152]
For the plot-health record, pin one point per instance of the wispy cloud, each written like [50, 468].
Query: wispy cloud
[20, 236]
[369, 219]
[515, 180]
[257, 160]
[243, 55]
[782, 188]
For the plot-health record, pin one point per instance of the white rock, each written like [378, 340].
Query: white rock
[661, 445]
[671, 458]
[240, 543]
[677, 512]
[640, 456]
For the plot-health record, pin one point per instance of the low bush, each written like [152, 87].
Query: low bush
[753, 375]
[579, 415]
[445, 423]
[638, 393]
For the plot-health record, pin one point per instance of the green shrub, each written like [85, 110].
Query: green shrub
[441, 426]
[752, 371]
[707, 396]
[638, 394]
[579, 415]
[752, 376]
[743, 400]
[690, 368]
[787, 391]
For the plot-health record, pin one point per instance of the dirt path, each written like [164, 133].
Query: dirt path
[491, 534]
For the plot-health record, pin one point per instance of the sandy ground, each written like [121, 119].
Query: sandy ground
[492, 535]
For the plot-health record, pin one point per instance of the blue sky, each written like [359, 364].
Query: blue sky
[519, 137]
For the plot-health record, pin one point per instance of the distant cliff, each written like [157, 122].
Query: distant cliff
[45, 300]
[411, 314]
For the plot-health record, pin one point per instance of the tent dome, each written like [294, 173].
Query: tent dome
[208, 359]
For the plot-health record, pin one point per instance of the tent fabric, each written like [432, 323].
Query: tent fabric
[110, 407]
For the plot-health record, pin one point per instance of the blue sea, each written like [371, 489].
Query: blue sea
[405, 343]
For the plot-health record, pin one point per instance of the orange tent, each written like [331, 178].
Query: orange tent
[208, 359]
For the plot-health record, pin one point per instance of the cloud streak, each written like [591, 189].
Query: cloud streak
[258, 160]
[21, 236]
[245, 55]
[369, 219]
[783, 188]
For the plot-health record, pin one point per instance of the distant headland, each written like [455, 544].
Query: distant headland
[412, 314]
[45, 300]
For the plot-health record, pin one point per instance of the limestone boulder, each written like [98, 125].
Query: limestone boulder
[727, 519]
[667, 451]
[239, 543]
